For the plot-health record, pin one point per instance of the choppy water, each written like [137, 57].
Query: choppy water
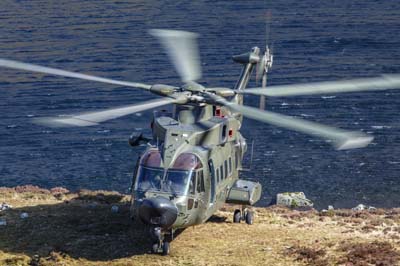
[313, 41]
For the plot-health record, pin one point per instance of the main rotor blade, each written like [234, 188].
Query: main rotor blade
[182, 49]
[342, 139]
[384, 82]
[94, 118]
[59, 72]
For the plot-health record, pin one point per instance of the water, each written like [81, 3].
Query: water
[313, 41]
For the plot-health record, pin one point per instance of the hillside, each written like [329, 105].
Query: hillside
[65, 228]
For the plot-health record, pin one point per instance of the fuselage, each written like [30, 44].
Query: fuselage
[193, 165]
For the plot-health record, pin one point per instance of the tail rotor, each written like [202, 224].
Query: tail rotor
[265, 62]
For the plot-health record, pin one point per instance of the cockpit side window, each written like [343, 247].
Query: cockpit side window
[192, 184]
[200, 182]
[203, 187]
[190, 162]
[198, 185]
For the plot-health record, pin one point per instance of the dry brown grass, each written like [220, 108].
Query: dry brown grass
[79, 229]
[309, 255]
[375, 253]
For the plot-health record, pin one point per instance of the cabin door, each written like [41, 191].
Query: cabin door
[212, 182]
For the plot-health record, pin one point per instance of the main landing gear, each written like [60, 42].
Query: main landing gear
[161, 240]
[244, 214]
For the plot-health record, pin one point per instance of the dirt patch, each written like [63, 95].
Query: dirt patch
[376, 253]
[310, 255]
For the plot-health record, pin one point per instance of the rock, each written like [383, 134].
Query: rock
[24, 215]
[293, 200]
[359, 207]
[3, 222]
[4, 206]
[114, 209]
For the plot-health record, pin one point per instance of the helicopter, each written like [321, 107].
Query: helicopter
[192, 162]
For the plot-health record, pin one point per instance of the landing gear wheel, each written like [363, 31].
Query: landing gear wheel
[154, 248]
[165, 249]
[249, 217]
[237, 216]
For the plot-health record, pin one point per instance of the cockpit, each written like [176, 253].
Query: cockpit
[178, 180]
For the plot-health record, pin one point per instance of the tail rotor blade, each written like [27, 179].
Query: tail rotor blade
[59, 72]
[183, 50]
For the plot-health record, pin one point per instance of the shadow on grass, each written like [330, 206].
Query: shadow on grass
[217, 219]
[100, 197]
[80, 228]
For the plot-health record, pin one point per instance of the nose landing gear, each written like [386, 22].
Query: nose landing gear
[161, 240]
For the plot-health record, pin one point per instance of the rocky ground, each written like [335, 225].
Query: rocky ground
[62, 228]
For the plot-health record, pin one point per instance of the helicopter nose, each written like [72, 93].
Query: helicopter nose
[158, 211]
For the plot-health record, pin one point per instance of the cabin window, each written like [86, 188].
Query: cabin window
[230, 165]
[236, 159]
[226, 168]
[190, 204]
[217, 174]
[221, 172]
[212, 181]
[223, 133]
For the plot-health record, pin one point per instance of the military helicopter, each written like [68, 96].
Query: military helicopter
[191, 164]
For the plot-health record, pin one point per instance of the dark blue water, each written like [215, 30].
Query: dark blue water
[313, 41]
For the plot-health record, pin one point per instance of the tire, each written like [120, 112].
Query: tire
[154, 248]
[249, 217]
[165, 249]
[237, 216]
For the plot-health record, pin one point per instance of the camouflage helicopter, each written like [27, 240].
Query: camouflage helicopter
[191, 164]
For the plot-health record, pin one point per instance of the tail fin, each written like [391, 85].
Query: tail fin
[248, 60]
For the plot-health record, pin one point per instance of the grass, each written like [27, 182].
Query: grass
[79, 229]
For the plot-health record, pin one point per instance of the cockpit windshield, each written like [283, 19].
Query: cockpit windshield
[179, 179]
[173, 181]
